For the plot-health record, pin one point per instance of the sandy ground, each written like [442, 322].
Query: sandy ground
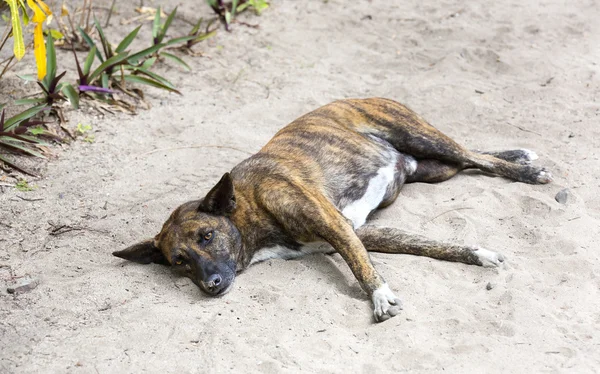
[493, 75]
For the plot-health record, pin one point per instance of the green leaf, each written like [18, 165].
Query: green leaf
[91, 43]
[105, 44]
[128, 39]
[33, 139]
[234, 5]
[177, 60]
[149, 82]
[156, 77]
[114, 60]
[196, 27]
[104, 80]
[180, 39]
[20, 148]
[14, 121]
[57, 35]
[202, 37]
[39, 130]
[148, 63]
[83, 128]
[71, 94]
[156, 25]
[89, 60]
[50, 62]
[243, 7]
[134, 58]
[28, 77]
[37, 100]
[260, 5]
[165, 27]
[227, 17]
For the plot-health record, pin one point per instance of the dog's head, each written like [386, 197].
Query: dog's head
[198, 241]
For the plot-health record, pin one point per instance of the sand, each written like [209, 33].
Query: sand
[493, 75]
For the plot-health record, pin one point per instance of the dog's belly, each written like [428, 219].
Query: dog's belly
[285, 253]
[357, 211]
[379, 186]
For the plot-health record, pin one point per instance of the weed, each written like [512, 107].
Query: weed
[24, 186]
[14, 138]
[83, 129]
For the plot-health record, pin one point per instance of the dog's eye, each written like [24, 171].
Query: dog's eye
[208, 236]
[178, 260]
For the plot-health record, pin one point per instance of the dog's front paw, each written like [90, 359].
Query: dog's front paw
[488, 258]
[386, 304]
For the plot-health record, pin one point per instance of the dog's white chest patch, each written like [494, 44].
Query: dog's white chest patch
[358, 210]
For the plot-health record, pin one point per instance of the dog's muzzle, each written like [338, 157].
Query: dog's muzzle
[215, 278]
[213, 285]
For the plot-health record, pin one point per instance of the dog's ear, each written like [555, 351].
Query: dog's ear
[221, 199]
[143, 252]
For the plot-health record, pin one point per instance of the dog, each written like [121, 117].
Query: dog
[310, 190]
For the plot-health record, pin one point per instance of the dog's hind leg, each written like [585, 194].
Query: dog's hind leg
[411, 134]
[391, 240]
[434, 171]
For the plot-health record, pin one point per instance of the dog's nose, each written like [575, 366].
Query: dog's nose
[213, 282]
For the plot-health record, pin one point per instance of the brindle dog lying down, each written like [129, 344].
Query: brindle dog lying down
[311, 189]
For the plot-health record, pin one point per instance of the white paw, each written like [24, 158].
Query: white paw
[488, 258]
[529, 155]
[386, 304]
[545, 176]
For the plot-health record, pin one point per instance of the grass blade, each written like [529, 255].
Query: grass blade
[50, 61]
[91, 43]
[134, 58]
[71, 94]
[14, 121]
[105, 80]
[149, 82]
[37, 100]
[234, 5]
[156, 25]
[105, 44]
[202, 37]
[28, 77]
[165, 27]
[18, 137]
[128, 39]
[20, 149]
[156, 77]
[180, 39]
[114, 60]
[177, 60]
[148, 63]
[196, 27]
[89, 60]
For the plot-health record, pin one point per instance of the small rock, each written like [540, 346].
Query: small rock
[562, 196]
[22, 285]
[489, 286]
